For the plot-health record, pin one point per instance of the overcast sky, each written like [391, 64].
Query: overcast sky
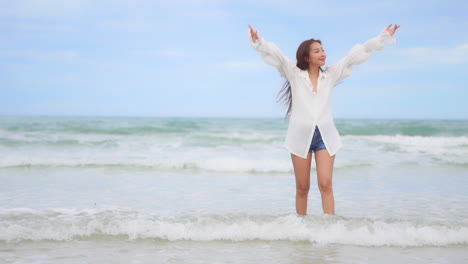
[192, 58]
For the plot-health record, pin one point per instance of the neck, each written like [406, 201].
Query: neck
[313, 70]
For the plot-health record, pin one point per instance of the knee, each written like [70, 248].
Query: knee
[325, 186]
[303, 189]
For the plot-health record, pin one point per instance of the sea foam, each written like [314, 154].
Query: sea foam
[76, 224]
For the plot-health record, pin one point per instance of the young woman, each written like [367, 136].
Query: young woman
[308, 92]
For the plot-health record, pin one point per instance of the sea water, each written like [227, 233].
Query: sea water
[222, 190]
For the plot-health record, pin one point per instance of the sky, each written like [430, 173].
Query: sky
[188, 58]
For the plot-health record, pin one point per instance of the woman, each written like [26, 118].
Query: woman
[308, 91]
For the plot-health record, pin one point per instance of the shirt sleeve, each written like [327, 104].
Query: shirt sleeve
[359, 54]
[273, 55]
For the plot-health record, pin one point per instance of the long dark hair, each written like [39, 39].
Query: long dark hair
[302, 55]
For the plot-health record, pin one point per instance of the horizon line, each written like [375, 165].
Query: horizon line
[227, 117]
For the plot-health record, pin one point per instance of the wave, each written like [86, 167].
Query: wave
[219, 145]
[25, 224]
[158, 126]
[124, 131]
[196, 139]
[247, 157]
[424, 128]
[210, 164]
[60, 143]
[215, 139]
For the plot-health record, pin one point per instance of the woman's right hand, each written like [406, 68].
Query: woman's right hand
[392, 30]
[253, 33]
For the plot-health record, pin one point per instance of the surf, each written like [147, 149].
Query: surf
[65, 224]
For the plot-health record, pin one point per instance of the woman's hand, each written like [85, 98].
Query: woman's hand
[392, 30]
[253, 33]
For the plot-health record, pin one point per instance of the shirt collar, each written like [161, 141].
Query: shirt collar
[305, 74]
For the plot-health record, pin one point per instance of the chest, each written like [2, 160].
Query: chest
[314, 83]
[308, 85]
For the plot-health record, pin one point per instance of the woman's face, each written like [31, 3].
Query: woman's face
[317, 55]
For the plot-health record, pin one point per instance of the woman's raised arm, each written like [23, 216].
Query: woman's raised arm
[271, 53]
[362, 52]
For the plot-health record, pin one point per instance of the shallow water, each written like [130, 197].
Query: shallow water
[160, 190]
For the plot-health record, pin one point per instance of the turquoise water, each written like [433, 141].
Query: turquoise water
[206, 190]
[254, 145]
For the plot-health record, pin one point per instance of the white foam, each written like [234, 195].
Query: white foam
[256, 156]
[395, 150]
[72, 224]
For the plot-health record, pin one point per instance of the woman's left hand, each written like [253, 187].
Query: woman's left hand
[392, 30]
[253, 33]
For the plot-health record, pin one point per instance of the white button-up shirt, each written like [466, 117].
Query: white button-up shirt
[311, 109]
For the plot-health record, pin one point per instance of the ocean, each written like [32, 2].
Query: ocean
[222, 190]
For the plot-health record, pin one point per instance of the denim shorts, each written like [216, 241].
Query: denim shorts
[317, 142]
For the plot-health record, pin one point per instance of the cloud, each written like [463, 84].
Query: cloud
[129, 25]
[324, 9]
[407, 58]
[244, 65]
[34, 54]
[44, 8]
[31, 26]
[385, 67]
[161, 53]
[64, 54]
[458, 54]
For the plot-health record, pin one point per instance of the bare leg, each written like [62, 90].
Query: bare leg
[302, 173]
[324, 176]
